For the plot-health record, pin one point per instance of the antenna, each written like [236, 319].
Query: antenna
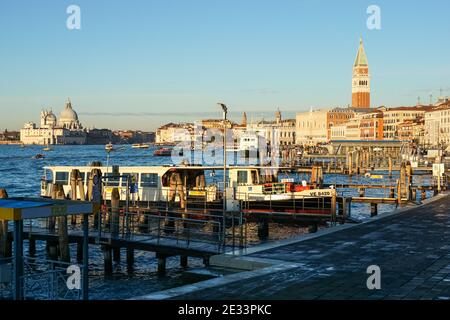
[418, 101]
[431, 98]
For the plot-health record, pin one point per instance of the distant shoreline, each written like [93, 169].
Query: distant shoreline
[10, 142]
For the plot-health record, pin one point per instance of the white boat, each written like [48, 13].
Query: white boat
[109, 147]
[140, 146]
[249, 188]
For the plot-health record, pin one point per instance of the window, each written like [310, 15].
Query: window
[242, 177]
[62, 178]
[149, 180]
[112, 179]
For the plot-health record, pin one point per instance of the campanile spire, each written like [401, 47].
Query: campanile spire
[361, 79]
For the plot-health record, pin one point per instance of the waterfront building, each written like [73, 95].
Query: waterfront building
[361, 79]
[173, 133]
[371, 125]
[311, 127]
[280, 132]
[437, 126]
[392, 117]
[68, 130]
[412, 131]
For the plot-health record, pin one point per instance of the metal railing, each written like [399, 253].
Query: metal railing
[42, 280]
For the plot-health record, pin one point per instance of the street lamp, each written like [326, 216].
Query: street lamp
[225, 111]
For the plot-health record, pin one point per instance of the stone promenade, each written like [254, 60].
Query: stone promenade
[412, 249]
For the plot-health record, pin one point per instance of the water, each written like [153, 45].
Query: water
[20, 175]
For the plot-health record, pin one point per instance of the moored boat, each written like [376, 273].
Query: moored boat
[163, 152]
[140, 146]
[251, 189]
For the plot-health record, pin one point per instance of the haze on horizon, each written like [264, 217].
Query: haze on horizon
[140, 64]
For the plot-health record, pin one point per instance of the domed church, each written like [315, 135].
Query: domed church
[66, 130]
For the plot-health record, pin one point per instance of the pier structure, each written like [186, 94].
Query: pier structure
[407, 247]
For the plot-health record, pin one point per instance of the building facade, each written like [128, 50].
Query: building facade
[311, 127]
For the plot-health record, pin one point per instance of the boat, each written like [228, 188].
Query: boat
[47, 148]
[163, 152]
[252, 189]
[109, 147]
[39, 156]
[140, 146]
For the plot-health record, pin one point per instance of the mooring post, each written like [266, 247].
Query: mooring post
[85, 288]
[18, 260]
[5, 247]
[350, 163]
[373, 209]
[392, 193]
[362, 192]
[115, 211]
[130, 257]
[31, 246]
[263, 229]
[183, 261]
[390, 167]
[107, 258]
[414, 194]
[73, 186]
[63, 236]
[423, 194]
[79, 251]
[312, 228]
[161, 264]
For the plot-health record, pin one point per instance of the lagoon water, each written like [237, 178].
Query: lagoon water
[20, 175]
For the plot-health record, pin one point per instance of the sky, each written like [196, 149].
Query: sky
[138, 64]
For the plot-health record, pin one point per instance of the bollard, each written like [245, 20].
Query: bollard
[414, 194]
[392, 193]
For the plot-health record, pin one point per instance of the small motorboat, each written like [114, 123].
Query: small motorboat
[109, 147]
[140, 146]
[47, 148]
[163, 152]
[39, 156]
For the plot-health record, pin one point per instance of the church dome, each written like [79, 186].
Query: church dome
[50, 117]
[68, 115]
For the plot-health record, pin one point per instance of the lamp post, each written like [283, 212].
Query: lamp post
[225, 111]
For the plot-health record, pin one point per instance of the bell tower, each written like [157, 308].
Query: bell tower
[361, 79]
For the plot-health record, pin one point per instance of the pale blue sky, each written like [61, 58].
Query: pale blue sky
[139, 64]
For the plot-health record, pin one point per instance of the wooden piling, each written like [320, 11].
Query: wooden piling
[63, 235]
[263, 229]
[116, 254]
[79, 252]
[390, 167]
[312, 228]
[423, 195]
[161, 264]
[350, 163]
[107, 259]
[130, 257]
[31, 246]
[392, 193]
[362, 192]
[73, 186]
[414, 194]
[115, 212]
[373, 209]
[5, 246]
[183, 261]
